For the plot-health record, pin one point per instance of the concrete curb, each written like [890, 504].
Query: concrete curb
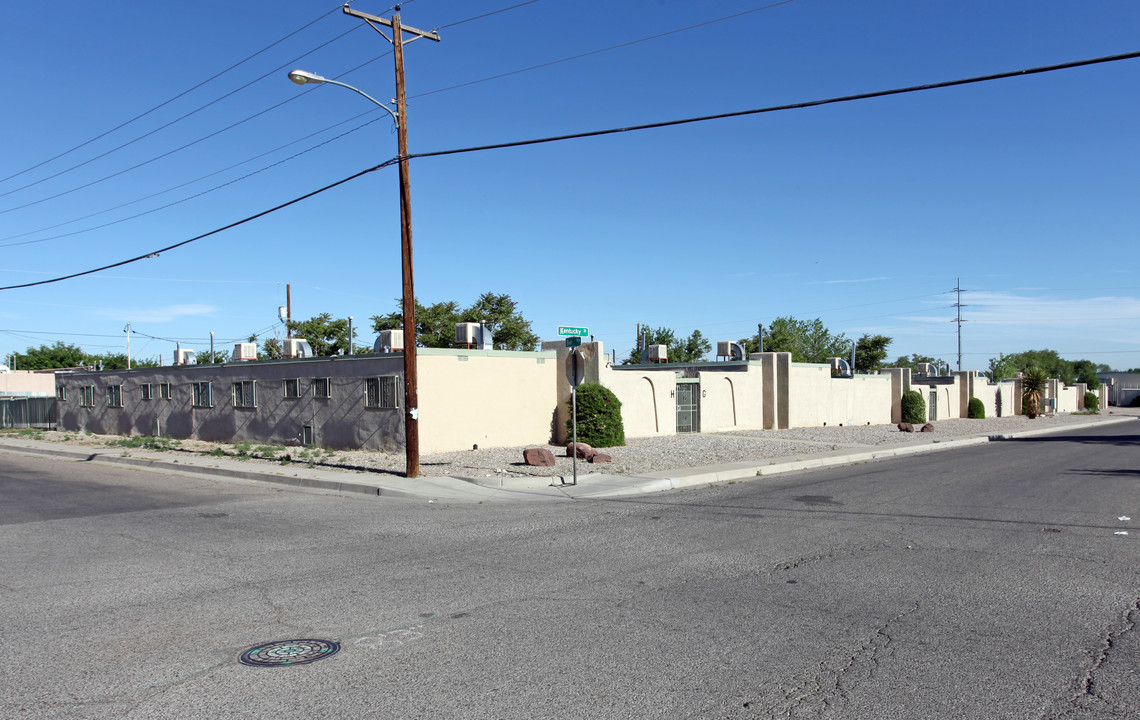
[591, 485]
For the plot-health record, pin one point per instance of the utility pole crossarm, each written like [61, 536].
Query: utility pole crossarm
[404, 28]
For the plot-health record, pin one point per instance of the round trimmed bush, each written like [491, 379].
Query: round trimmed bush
[913, 408]
[599, 417]
[1092, 402]
[976, 411]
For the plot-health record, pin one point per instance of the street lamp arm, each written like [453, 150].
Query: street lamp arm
[302, 77]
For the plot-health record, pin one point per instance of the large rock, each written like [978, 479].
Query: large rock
[906, 427]
[538, 456]
[927, 428]
[584, 451]
[598, 457]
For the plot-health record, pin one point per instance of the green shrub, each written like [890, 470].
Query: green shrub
[1092, 402]
[913, 408]
[976, 411]
[599, 417]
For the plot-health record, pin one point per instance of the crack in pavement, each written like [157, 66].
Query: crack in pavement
[1087, 698]
[830, 687]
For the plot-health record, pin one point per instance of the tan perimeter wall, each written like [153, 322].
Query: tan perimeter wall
[648, 400]
[816, 398]
[485, 398]
[25, 382]
[732, 400]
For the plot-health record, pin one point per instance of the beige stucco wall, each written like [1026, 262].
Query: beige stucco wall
[732, 400]
[26, 382]
[816, 398]
[648, 400]
[485, 398]
[1066, 398]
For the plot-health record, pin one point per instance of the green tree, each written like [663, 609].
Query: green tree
[435, 324]
[1003, 367]
[871, 353]
[327, 336]
[691, 349]
[915, 360]
[270, 349]
[118, 361]
[1085, 372]
[807, 340]
[500, 315]
[57, 355]
[204, 357]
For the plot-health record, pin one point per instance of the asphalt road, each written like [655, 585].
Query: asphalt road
[986, 582]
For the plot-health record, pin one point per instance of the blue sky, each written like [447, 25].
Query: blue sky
[864, 214]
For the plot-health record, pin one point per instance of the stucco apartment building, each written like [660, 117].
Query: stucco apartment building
[494, 398]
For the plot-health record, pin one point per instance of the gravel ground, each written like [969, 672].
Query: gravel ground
[640, 455]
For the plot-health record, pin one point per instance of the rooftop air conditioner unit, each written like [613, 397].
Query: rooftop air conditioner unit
[297, 348]
[389, 341]
[729, 349]
[658, 353]
[244, 352]
[183, 357]
[475, 334]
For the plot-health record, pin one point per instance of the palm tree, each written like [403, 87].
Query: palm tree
[1033, 385]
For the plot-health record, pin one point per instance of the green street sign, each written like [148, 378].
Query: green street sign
[573, 331]
[573, 341]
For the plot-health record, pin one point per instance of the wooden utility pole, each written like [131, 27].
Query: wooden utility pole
[411, 391]
[288, 311]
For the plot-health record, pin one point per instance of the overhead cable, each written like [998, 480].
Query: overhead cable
[167, 102]
[611, 131]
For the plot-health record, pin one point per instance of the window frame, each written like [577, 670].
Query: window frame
[327, 383]
[87, 396]
[196, 392]
[295, 383]
[115, 396]
[380, 388]
[164, 391]
[245, 394]
[146, 391]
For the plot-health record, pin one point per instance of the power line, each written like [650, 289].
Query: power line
[180, 148]
[592, 52]
[792, 106]
[198, 194]
[167, 102]
[611, 131]
[480, 17]
[156, 253]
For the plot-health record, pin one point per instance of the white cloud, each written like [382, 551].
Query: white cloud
[158, 314]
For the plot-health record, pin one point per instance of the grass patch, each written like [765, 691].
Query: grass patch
[146, 442]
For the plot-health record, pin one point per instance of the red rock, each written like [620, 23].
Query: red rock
[538, 456]
[906, 427]
[598, 457]
[583, 450]
[927, 428]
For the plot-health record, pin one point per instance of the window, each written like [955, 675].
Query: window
[306, 435]
[322, 388]
[115, 395]
[164, 391]
[293, 388]
[59, 394]
[87, 395]
[245, 394]
[147, 392]
[203, 394]
[380, 392]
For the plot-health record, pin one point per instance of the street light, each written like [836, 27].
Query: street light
[408, 294]
[302, 77]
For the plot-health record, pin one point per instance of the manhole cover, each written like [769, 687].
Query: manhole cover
[289, 652]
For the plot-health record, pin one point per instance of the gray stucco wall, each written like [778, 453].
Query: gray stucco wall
[341, 421]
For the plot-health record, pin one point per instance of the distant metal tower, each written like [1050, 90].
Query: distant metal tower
[958, 289]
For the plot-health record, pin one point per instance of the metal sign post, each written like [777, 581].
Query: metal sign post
[576, 373]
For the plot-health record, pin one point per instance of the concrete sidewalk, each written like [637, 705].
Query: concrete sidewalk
[493, 489]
